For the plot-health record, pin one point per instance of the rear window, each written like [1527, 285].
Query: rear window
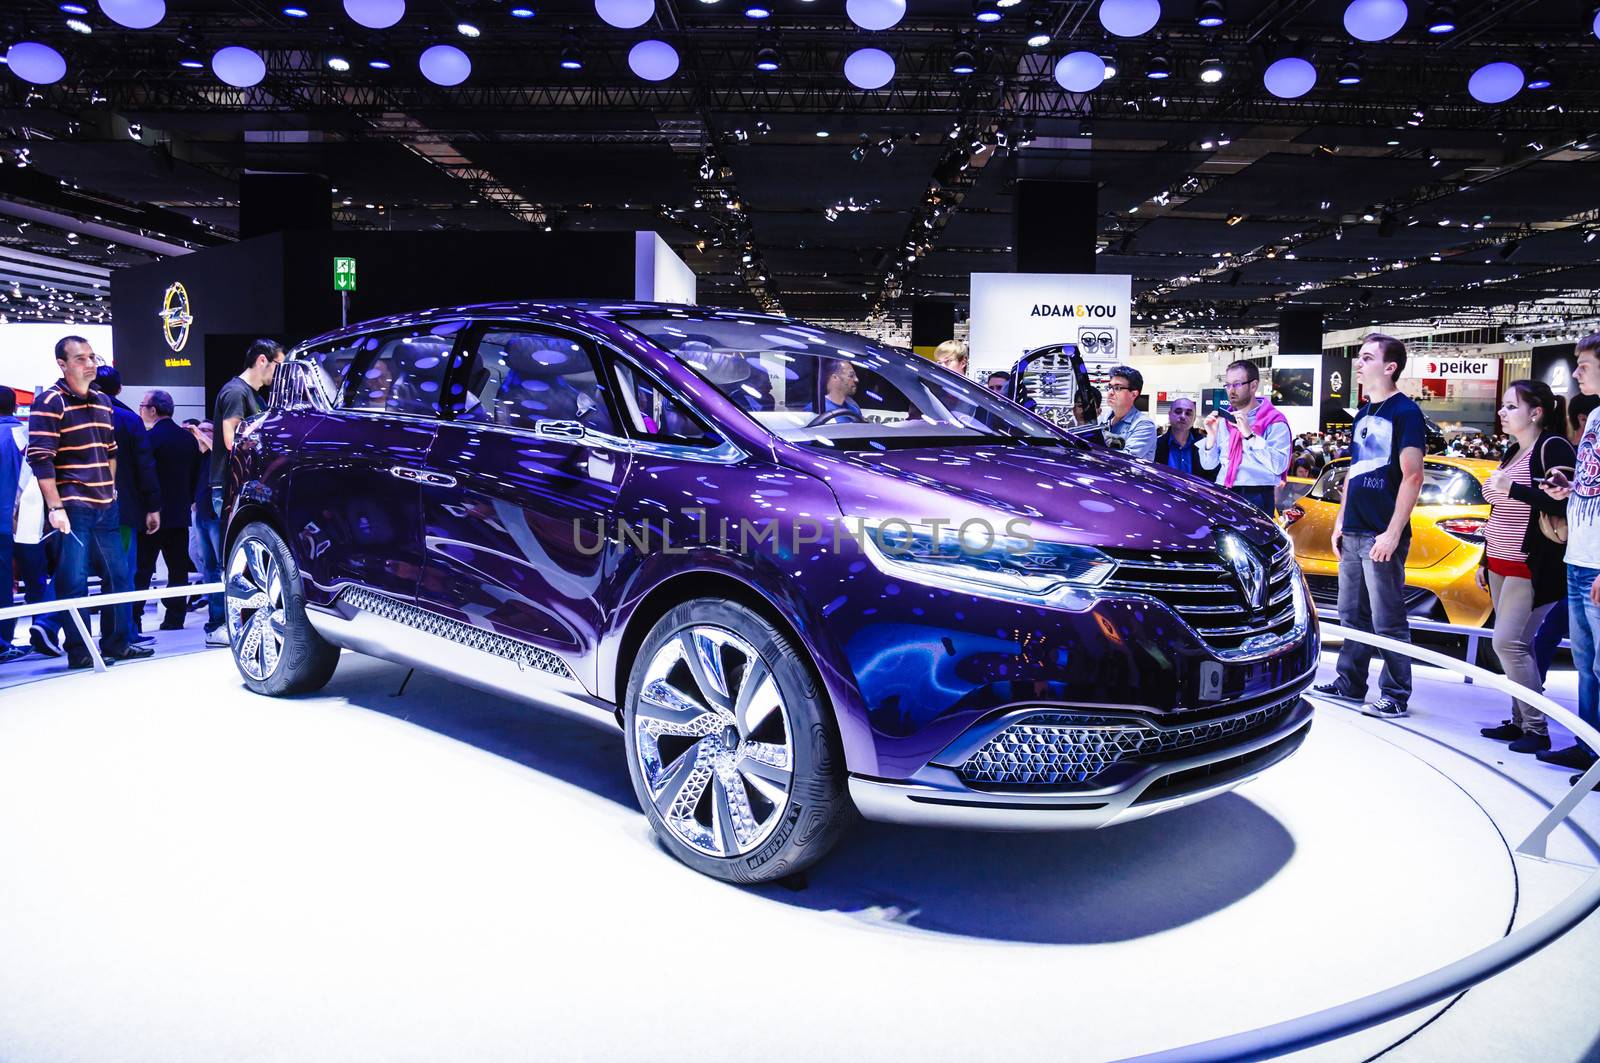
[1442, 485]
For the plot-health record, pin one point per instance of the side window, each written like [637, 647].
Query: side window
[519, 377]
[652, 413]
[335, 360]
[400, 371]
[1330, 487]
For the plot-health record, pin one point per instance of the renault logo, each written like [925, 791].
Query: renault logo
[1247, 569]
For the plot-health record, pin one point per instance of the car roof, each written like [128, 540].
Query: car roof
[580, 312]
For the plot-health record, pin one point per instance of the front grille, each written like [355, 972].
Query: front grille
[1324, 589]
[1200, 587]
[1059, 750]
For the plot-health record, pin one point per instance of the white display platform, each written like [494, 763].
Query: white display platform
[192, 872]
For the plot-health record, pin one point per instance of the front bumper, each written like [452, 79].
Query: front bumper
[940, 798]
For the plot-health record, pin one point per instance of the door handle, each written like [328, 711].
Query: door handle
[422, 476]
[560, 429]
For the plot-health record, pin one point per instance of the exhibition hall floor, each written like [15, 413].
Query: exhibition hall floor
[191, 872]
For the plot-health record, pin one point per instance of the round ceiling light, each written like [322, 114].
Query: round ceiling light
[1375, 20]
[375, 14]
[445, 64]
[135, 14]
[239, 67]
[1495, 82]
[875, 14]
[625, 14]
[869, 68]
[1289, 79]
[1129, 18]
[1596, 26]
[653, 60]
[37, 63]
[1080, 71]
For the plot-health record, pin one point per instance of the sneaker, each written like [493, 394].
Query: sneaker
[129, 653]
[1530, 743]
[1506, 732]
[45, 643]
[11, 653]
[1336, 689]
[172, 625]
[87, 662]
[1574, 756]
[1385, 708]
[217, 636]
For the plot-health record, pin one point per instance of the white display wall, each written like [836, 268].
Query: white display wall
[28, 351]
[1303, 369]
[1014, 313]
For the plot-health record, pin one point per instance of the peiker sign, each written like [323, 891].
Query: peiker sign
[1013, 313]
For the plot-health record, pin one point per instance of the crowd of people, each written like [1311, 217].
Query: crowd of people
[98, 487]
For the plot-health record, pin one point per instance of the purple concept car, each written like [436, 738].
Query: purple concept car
[809, 576]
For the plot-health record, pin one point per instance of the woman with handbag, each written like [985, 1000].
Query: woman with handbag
[1524, 566]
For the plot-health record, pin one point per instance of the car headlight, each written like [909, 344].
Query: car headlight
[1017, 569]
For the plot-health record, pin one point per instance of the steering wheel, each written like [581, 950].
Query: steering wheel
[842, 411]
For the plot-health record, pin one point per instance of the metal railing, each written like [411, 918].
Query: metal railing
[72, 607]
[1473, 634]
[1368, 1011]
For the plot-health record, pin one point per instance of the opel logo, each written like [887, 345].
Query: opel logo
[176, 316]
[1247, 569]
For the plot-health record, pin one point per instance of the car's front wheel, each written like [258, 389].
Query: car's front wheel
[275, 647]
[731, 745]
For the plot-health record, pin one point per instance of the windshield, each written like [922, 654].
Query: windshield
[1442, 485]
[824, 388]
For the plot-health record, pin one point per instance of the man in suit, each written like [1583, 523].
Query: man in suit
[177, 458]
[138, 492]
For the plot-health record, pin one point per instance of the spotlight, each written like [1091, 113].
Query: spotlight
[1109, 58]
[338, 63]
[192, 62]
[1508, 249]
[768, 59]
[74, 9]
[379, 64]
[1540, 78]
[1441, 19]
[522, 12]
[1039, 37]
[1350, 67]
[467, 29]
[1212, 71]
[857, 154]
[757, 10]
[962, 63]
[1209, 14]
[986, 11]
[763, 127]
[1158, 67]
[571, 53]
[77, 25]
[293, 11]
[1589, 236]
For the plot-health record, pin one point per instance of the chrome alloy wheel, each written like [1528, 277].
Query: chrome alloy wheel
[254, 591]
[714, 741]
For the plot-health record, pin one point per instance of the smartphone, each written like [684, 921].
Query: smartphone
[1555, 478]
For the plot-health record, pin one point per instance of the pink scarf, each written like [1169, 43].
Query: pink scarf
[1265, 417]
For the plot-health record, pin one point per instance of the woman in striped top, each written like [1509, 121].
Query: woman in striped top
[1523, 569]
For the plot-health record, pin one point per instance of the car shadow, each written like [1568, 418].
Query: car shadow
[1057, 888]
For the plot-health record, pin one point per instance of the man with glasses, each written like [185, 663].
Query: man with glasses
[1127, 427]
[72, 449]
[1251, 443]
[1177, 449]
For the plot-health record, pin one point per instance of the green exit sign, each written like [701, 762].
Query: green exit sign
[344, 274]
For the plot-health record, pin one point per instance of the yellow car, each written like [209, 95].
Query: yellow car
[1446, 539]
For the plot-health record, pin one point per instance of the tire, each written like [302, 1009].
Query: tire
[274, 646]
[707, 761]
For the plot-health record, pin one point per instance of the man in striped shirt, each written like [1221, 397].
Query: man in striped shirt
[72, 449]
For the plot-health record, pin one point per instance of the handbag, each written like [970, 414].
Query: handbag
[1551, 526]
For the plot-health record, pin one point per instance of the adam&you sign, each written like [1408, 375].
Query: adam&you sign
[1013, 313]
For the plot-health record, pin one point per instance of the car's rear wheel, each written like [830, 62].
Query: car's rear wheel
[275, 647]
[731, 745]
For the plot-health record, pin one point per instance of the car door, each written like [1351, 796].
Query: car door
[523, 481]
[355, 496]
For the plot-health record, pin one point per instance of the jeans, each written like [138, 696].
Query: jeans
[128, 540]
[1516, 623]
[33, 564]
[1549, 639]
[210, 540]
[1263, 498]
[172, 545]
[1372, 598]
[8, 628]
[1583, 617]
[95, 536]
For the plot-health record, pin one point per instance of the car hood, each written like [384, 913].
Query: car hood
[1089, 497]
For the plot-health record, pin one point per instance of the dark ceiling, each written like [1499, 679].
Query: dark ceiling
[1225, 203]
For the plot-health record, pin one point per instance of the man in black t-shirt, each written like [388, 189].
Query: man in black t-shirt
[240, 399]
[1372, 531]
